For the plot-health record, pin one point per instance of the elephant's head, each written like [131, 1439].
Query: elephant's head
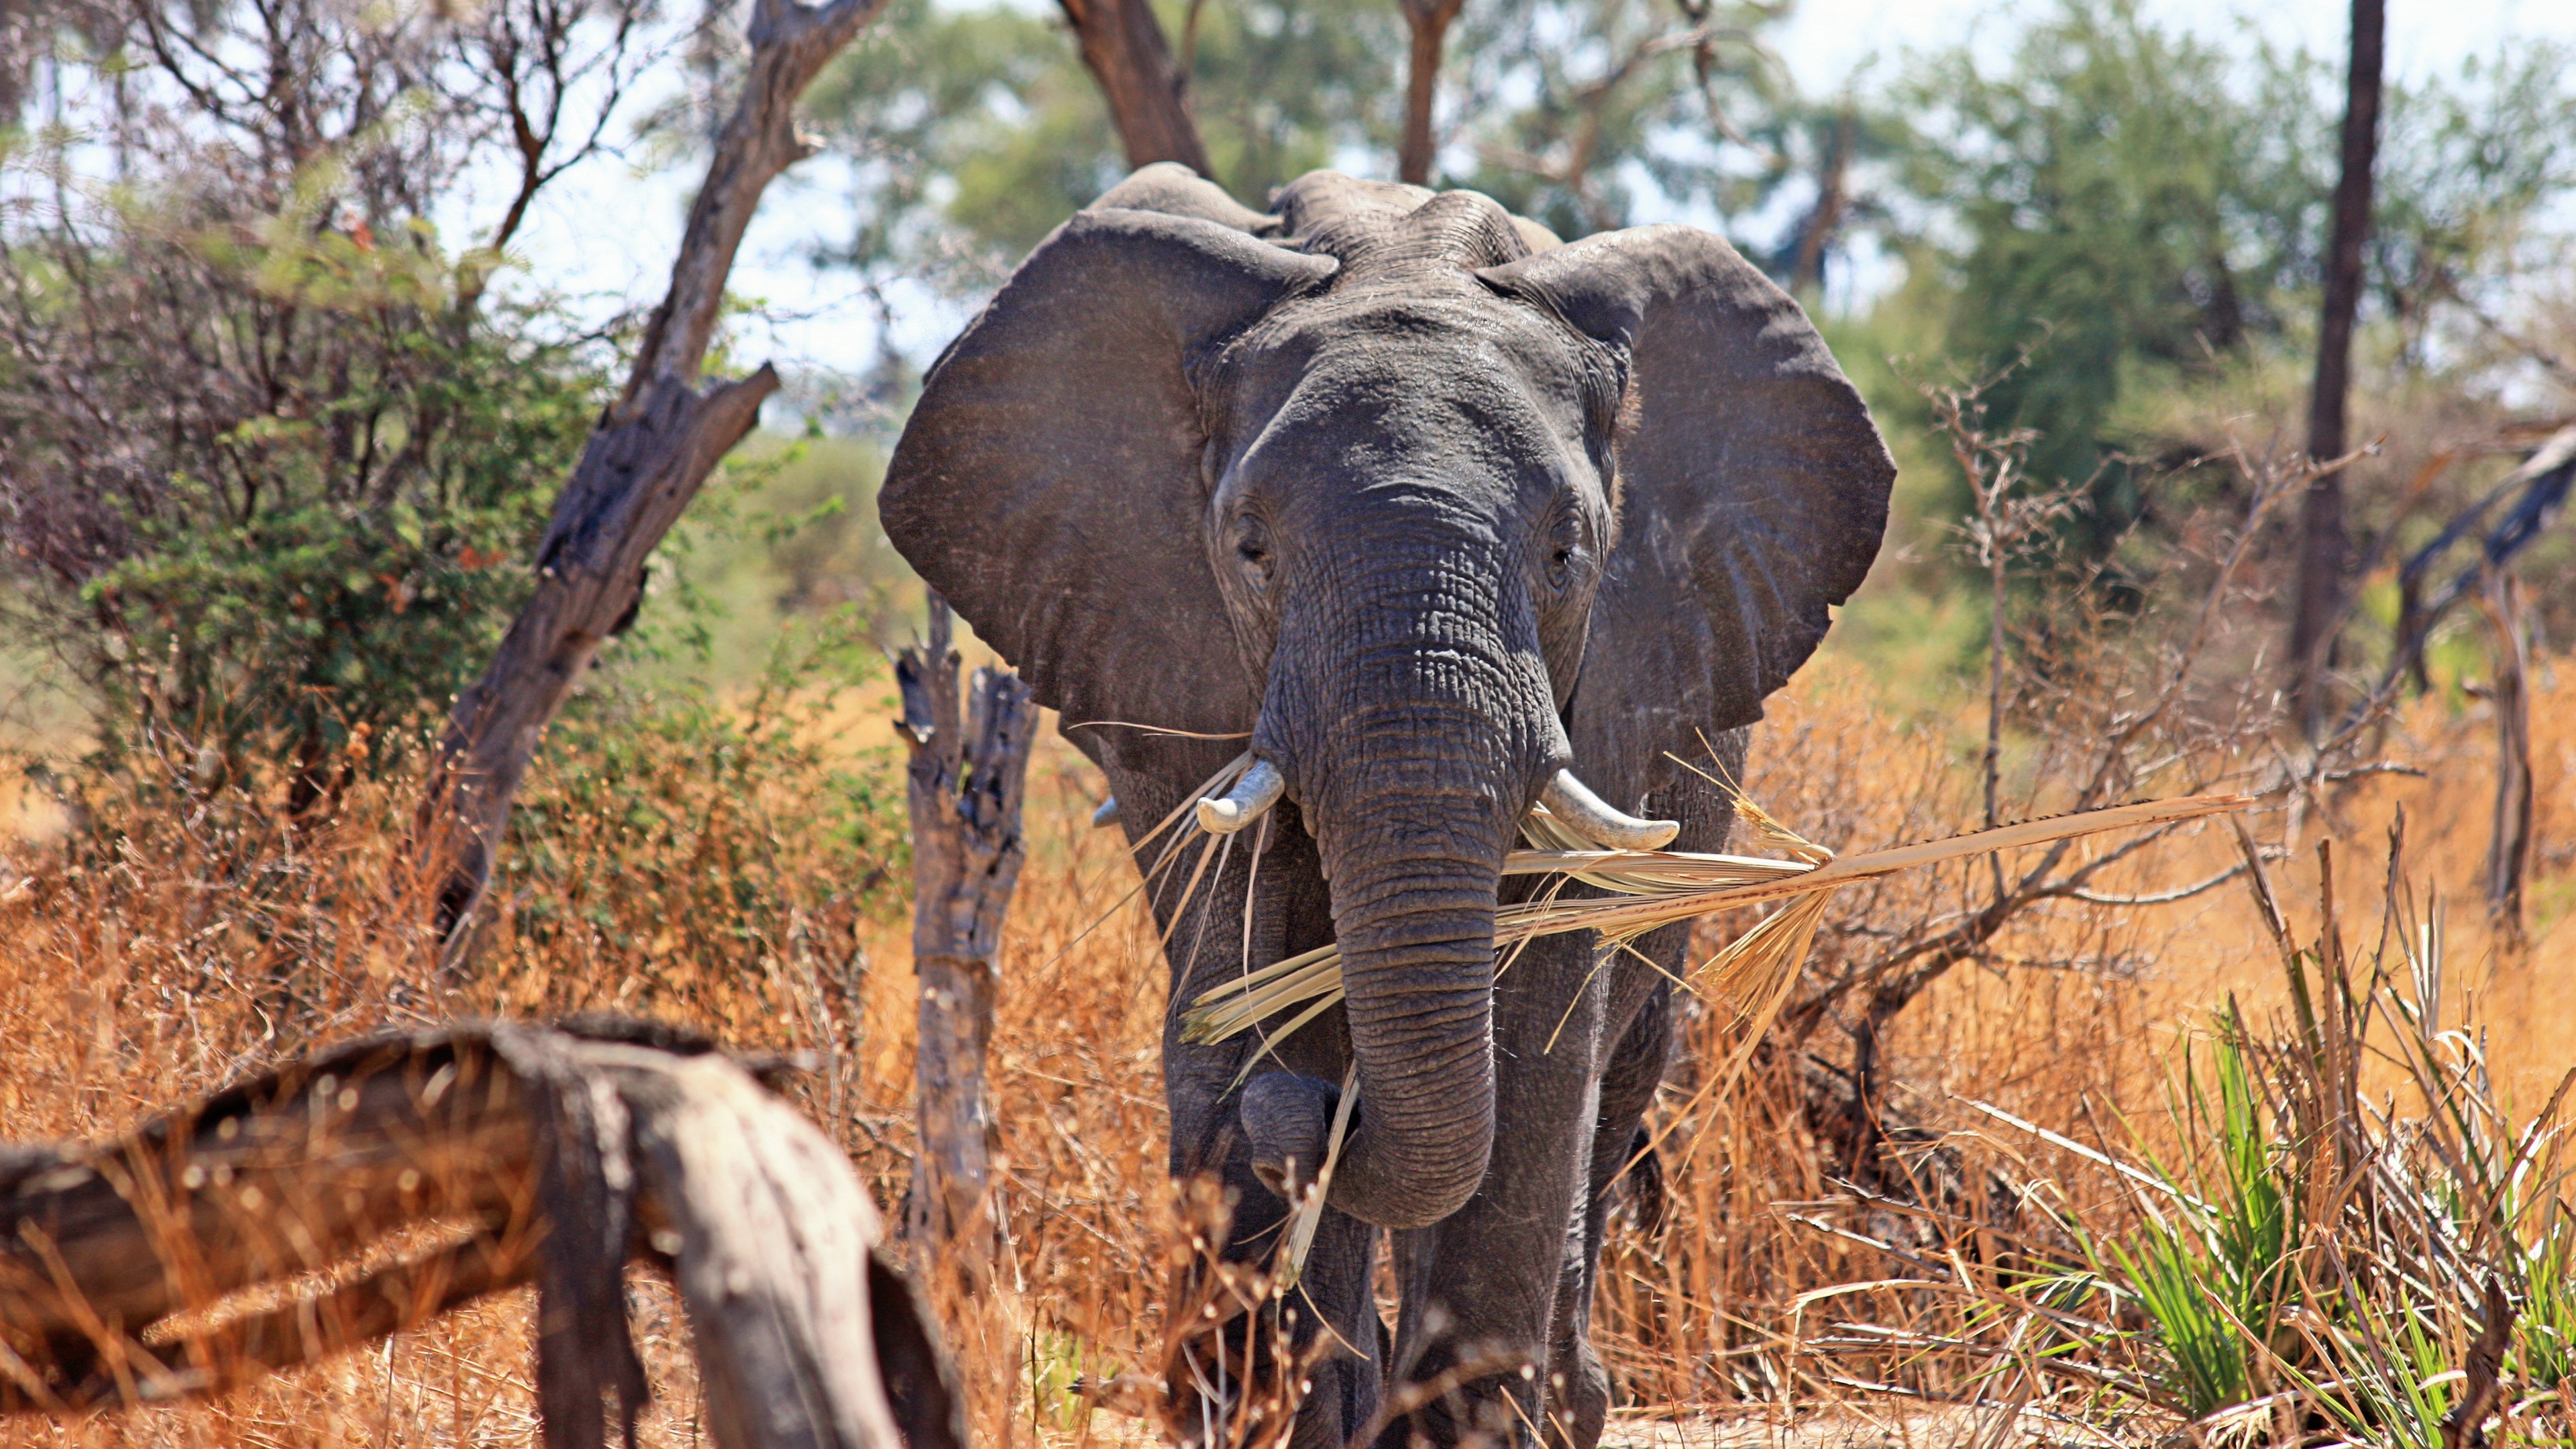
[1434, 515]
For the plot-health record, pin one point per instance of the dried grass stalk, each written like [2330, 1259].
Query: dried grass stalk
[1657, 888]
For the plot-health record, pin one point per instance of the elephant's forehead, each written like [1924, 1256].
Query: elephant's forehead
[1413, 390]
[1430, 340]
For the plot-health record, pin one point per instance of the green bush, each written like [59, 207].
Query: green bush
[317, 621]
[2358, 1263]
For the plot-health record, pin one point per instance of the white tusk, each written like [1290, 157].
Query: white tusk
[1588, 815]
[1258, 790]
[1106, 815]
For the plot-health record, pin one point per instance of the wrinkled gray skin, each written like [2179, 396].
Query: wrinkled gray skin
[1431, 506]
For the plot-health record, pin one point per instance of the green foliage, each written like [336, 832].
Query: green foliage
[785, 532]
[2133, 200]
[326, 599]
[2212, 1265]
[2147, 211]
[977, 122]
[698, 832]
[2470, 168]
[977, 130]
[2304, 1254]
[1577, 113]
[1280, 89]
[271, 456]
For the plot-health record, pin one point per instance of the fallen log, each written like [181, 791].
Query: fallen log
[368, 1188]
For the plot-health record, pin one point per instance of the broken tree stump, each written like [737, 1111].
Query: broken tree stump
[368, 1188]
[2510, 841]
[966, 783]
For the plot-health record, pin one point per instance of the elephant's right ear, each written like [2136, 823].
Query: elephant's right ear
[1049, 485]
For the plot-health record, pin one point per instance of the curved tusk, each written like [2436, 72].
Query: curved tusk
[1106, 815]
[1588, 815]
[1258, 790]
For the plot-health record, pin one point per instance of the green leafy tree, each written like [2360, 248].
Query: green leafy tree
[1577, 113]
[271, 456]
[2135, 201]
[2471, 168]
[975, 131]
[2146, 210]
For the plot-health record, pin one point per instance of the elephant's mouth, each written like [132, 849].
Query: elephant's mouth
[1565, 795]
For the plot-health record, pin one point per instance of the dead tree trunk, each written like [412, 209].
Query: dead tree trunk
[1833, 197]
[650, 454]
[1429, 21]
[2509, 845]
[370, 1187]
[967, 780]
[2325, 549]
[1123, 47]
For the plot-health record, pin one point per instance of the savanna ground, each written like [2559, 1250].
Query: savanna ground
[714, 878]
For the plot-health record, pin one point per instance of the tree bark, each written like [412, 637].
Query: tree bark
[2325, 550]
[1123, 46]
[647, 459]
[550, 1157]
[2509, 845]
[966, 783]
[1833, 197]
[1429, 21]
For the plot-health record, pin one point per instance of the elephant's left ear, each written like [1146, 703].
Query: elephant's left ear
[1753, 490]
[1049, 484]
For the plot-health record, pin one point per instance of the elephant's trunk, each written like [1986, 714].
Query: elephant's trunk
[1415, 732]
[1413, 909]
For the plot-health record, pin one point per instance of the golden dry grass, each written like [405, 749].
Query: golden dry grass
[210, 942]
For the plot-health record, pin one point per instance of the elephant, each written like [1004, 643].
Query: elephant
[1444, 517]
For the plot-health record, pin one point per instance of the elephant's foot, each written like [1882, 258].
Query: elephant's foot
[1319, 1351]
[1343, 1391]
[1454, 1404]
[1578, 1392]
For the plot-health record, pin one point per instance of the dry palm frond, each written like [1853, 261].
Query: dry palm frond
[1657, 888]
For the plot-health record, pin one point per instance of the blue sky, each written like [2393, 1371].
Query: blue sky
[605, 235]
[1825, 41]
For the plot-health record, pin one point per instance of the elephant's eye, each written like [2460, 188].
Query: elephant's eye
[1252, 546]
[1564, 550]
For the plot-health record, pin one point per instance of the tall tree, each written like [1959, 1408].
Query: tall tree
[1806, 269]
[2324, 549]
[972, 128]
[264, 438]
[650, 453]
[1123, 45]
[1429, 22]
[2138, 196]
[1579, 113]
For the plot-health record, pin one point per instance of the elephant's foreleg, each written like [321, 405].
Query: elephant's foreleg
[1576, 1380]
[1641, 1022]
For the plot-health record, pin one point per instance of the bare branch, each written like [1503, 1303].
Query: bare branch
[652, 452]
